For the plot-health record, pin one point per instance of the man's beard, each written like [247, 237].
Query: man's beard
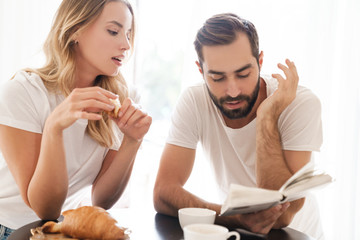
[239, 112]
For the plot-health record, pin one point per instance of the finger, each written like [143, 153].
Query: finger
[124, 107]
[135, 117]
[93, 105]
[279, 77]
[285, 69]
[88, 116]
[102, 91]
[292, 68]
[143, 120]
[126, 116]
[95, 93]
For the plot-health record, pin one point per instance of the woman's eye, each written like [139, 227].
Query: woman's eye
[112, 33]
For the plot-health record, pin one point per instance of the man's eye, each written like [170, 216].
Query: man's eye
[112, 33]
[243, 76]
[218, 79]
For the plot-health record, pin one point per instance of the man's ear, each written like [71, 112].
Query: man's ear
[199, 67]
[261, 59]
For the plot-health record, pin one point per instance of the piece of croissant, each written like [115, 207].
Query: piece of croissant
[87, 223]
[114, 113]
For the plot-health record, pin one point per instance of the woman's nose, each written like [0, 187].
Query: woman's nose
[125, 44]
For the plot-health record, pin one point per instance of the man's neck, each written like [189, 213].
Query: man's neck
[242, 122]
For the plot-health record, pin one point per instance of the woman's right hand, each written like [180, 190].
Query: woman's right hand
[82, 103]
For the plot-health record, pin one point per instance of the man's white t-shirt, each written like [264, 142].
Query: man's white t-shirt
[231, 152]
[25, 103]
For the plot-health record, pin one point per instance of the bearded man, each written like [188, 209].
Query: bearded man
[255, 130]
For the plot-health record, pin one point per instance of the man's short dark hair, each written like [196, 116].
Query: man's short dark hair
[222, 29]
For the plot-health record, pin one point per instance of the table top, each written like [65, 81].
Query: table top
[147, 224]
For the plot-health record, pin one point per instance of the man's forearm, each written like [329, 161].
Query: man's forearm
[168, 199]
[271, 168]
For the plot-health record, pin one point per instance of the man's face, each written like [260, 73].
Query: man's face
[232, 76]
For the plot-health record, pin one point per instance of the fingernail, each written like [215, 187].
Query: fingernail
[120, 114]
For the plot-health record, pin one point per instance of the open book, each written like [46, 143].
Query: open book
[241, 199]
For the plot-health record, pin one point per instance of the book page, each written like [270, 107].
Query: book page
[307, 178]
[299, 188]
[243, 199]
[307, 169]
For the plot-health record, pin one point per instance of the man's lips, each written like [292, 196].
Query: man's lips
[234, 104]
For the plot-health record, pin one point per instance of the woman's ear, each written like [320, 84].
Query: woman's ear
[199, 67]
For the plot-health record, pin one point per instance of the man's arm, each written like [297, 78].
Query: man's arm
[273, 165]
[175, 168]
[169, 195]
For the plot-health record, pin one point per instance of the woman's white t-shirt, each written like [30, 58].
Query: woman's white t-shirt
[231, 152]
[25, 103]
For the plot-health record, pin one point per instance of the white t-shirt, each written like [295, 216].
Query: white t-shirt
[25, 103]
[231, 152]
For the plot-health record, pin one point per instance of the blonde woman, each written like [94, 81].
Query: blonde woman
[55, 135]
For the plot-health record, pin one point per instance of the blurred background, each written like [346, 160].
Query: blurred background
[322, 37]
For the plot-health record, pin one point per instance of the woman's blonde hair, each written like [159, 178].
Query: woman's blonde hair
[58, 72]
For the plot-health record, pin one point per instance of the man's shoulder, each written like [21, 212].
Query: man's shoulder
[196, 92]
[197, 88]
[301, 94]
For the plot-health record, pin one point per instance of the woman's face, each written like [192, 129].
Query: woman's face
[102, 45]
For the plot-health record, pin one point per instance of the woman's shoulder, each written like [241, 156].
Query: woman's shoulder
[28, 79]
[23, 84]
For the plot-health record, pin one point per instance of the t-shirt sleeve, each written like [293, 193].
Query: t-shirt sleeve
[301, 126]
[184, 129]
[17, 106]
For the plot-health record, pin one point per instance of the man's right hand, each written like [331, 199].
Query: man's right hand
[260, 222]
[284, 95]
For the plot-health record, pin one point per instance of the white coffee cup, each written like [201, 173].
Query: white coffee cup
[202, 231]
[195, 215]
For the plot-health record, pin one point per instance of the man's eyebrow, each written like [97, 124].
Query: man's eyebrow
[236, 71]
[244, 68]
[116, 23]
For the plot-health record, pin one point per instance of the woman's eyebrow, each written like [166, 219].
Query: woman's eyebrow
[116, 23]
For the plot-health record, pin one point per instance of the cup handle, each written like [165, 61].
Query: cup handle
[233, 233]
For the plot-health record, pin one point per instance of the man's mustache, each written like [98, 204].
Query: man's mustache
[237, 98]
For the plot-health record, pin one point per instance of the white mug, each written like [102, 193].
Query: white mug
[202, 231]
[195, 215]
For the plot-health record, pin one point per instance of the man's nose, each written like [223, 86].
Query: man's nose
[233, 89]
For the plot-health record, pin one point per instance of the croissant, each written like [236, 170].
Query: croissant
[87, 222]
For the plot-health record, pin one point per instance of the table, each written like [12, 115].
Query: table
[147, 224]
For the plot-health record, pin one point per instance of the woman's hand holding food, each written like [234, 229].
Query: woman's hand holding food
[82, 103]
[132, 120]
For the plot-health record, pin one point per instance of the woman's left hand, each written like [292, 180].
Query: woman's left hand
[132, 120]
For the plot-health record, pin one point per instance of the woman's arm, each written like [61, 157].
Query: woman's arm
[117, 166]
[37, 161]
[114, 174]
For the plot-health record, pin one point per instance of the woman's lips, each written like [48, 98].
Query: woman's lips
[117, 61]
